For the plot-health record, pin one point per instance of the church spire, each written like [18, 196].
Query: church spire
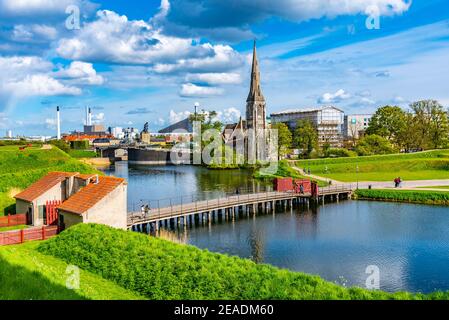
[255, 93]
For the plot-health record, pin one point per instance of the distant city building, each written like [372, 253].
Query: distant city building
[328, 121]
[94, 129]
[131, 134]
[117, 132]
[355, 125]
[9, 134]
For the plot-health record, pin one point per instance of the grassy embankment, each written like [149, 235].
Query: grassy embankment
[413, 166]
[284, 170]
[27, 274]
[158, 269]
[20, 168]
[82, 154]
[411, 196]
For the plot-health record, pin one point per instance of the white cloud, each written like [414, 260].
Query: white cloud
[98, 117]
[215, 78]
[229, 115]
[178, 116]
[50, 123]
[28, 76]
[34, 32]
[31, 8]
[40, 85]
[334, 97]
[192, 90]
[83, 72]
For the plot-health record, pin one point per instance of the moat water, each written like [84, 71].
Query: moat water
[409, 244]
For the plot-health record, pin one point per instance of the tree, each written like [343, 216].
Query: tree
[374, 145]
[388, 122]
[284, 138]
[305, 137]
[431, 124]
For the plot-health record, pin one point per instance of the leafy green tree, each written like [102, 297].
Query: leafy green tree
[374, 145]
[284, 138]
[388, 122]
[430, 123]
[305, 137]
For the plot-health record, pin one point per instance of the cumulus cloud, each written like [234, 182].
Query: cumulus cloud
[30, 76]
[192, 90]
[138, 42]
[229, 115]
[82, 72]
[336, 97]
[191, 16]
[215, 78]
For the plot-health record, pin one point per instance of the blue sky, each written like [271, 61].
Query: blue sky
[135, 61]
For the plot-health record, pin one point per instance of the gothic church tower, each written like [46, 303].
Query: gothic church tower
[255, 107]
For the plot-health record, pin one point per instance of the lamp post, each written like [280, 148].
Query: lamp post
[357, 175]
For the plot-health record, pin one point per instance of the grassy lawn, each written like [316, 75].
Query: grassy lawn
[27, 274]
[20, 168]
[159, 269]
[19, 227]
[435, 187]
[285, 170]
[412, 196]
[80, 154]
[416, 166]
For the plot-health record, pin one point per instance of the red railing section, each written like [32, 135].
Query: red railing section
[52, 212]
[13, 220]
[32, 234]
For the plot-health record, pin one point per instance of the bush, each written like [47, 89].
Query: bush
[374, 145]
[340, 153]
[79, 144]
[427, 197]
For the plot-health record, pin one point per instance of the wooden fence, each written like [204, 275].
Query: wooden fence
[13, 220]
[32, 234]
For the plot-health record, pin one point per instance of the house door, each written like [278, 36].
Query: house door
[30, 216]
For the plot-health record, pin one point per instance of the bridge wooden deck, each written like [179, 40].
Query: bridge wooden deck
[252, 199]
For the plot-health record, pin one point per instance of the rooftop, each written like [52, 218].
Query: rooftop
[302, 110]
[43, 185]
[90, 195]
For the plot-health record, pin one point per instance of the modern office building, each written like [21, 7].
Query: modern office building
[328, 121]
[355, 125]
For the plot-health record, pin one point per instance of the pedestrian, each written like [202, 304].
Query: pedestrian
[301, 188]
[396, 182]
[142, 210]
[309, 171]
[237, 191]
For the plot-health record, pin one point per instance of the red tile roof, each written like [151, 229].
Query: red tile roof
[86, 176]
[90, 195]
[43, 185]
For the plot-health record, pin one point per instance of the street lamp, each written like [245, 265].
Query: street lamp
[357, 175]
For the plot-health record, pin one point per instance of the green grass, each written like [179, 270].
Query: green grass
[80, 154]
[418, 196]
[20, 168]
[413, 166]
[285, 170]
[19, 227]
[159, 269]
[27, 274]
[435, 187]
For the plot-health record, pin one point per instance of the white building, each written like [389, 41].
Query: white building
[9, 134]
[355, 125]
[328, 121]
[117, 132]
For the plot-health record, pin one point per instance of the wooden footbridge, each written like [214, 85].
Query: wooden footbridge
[206, 211]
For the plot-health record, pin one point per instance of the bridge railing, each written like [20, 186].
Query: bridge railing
[189, 204]
[335, 188]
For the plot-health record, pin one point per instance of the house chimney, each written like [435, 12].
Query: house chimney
[58, 123]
